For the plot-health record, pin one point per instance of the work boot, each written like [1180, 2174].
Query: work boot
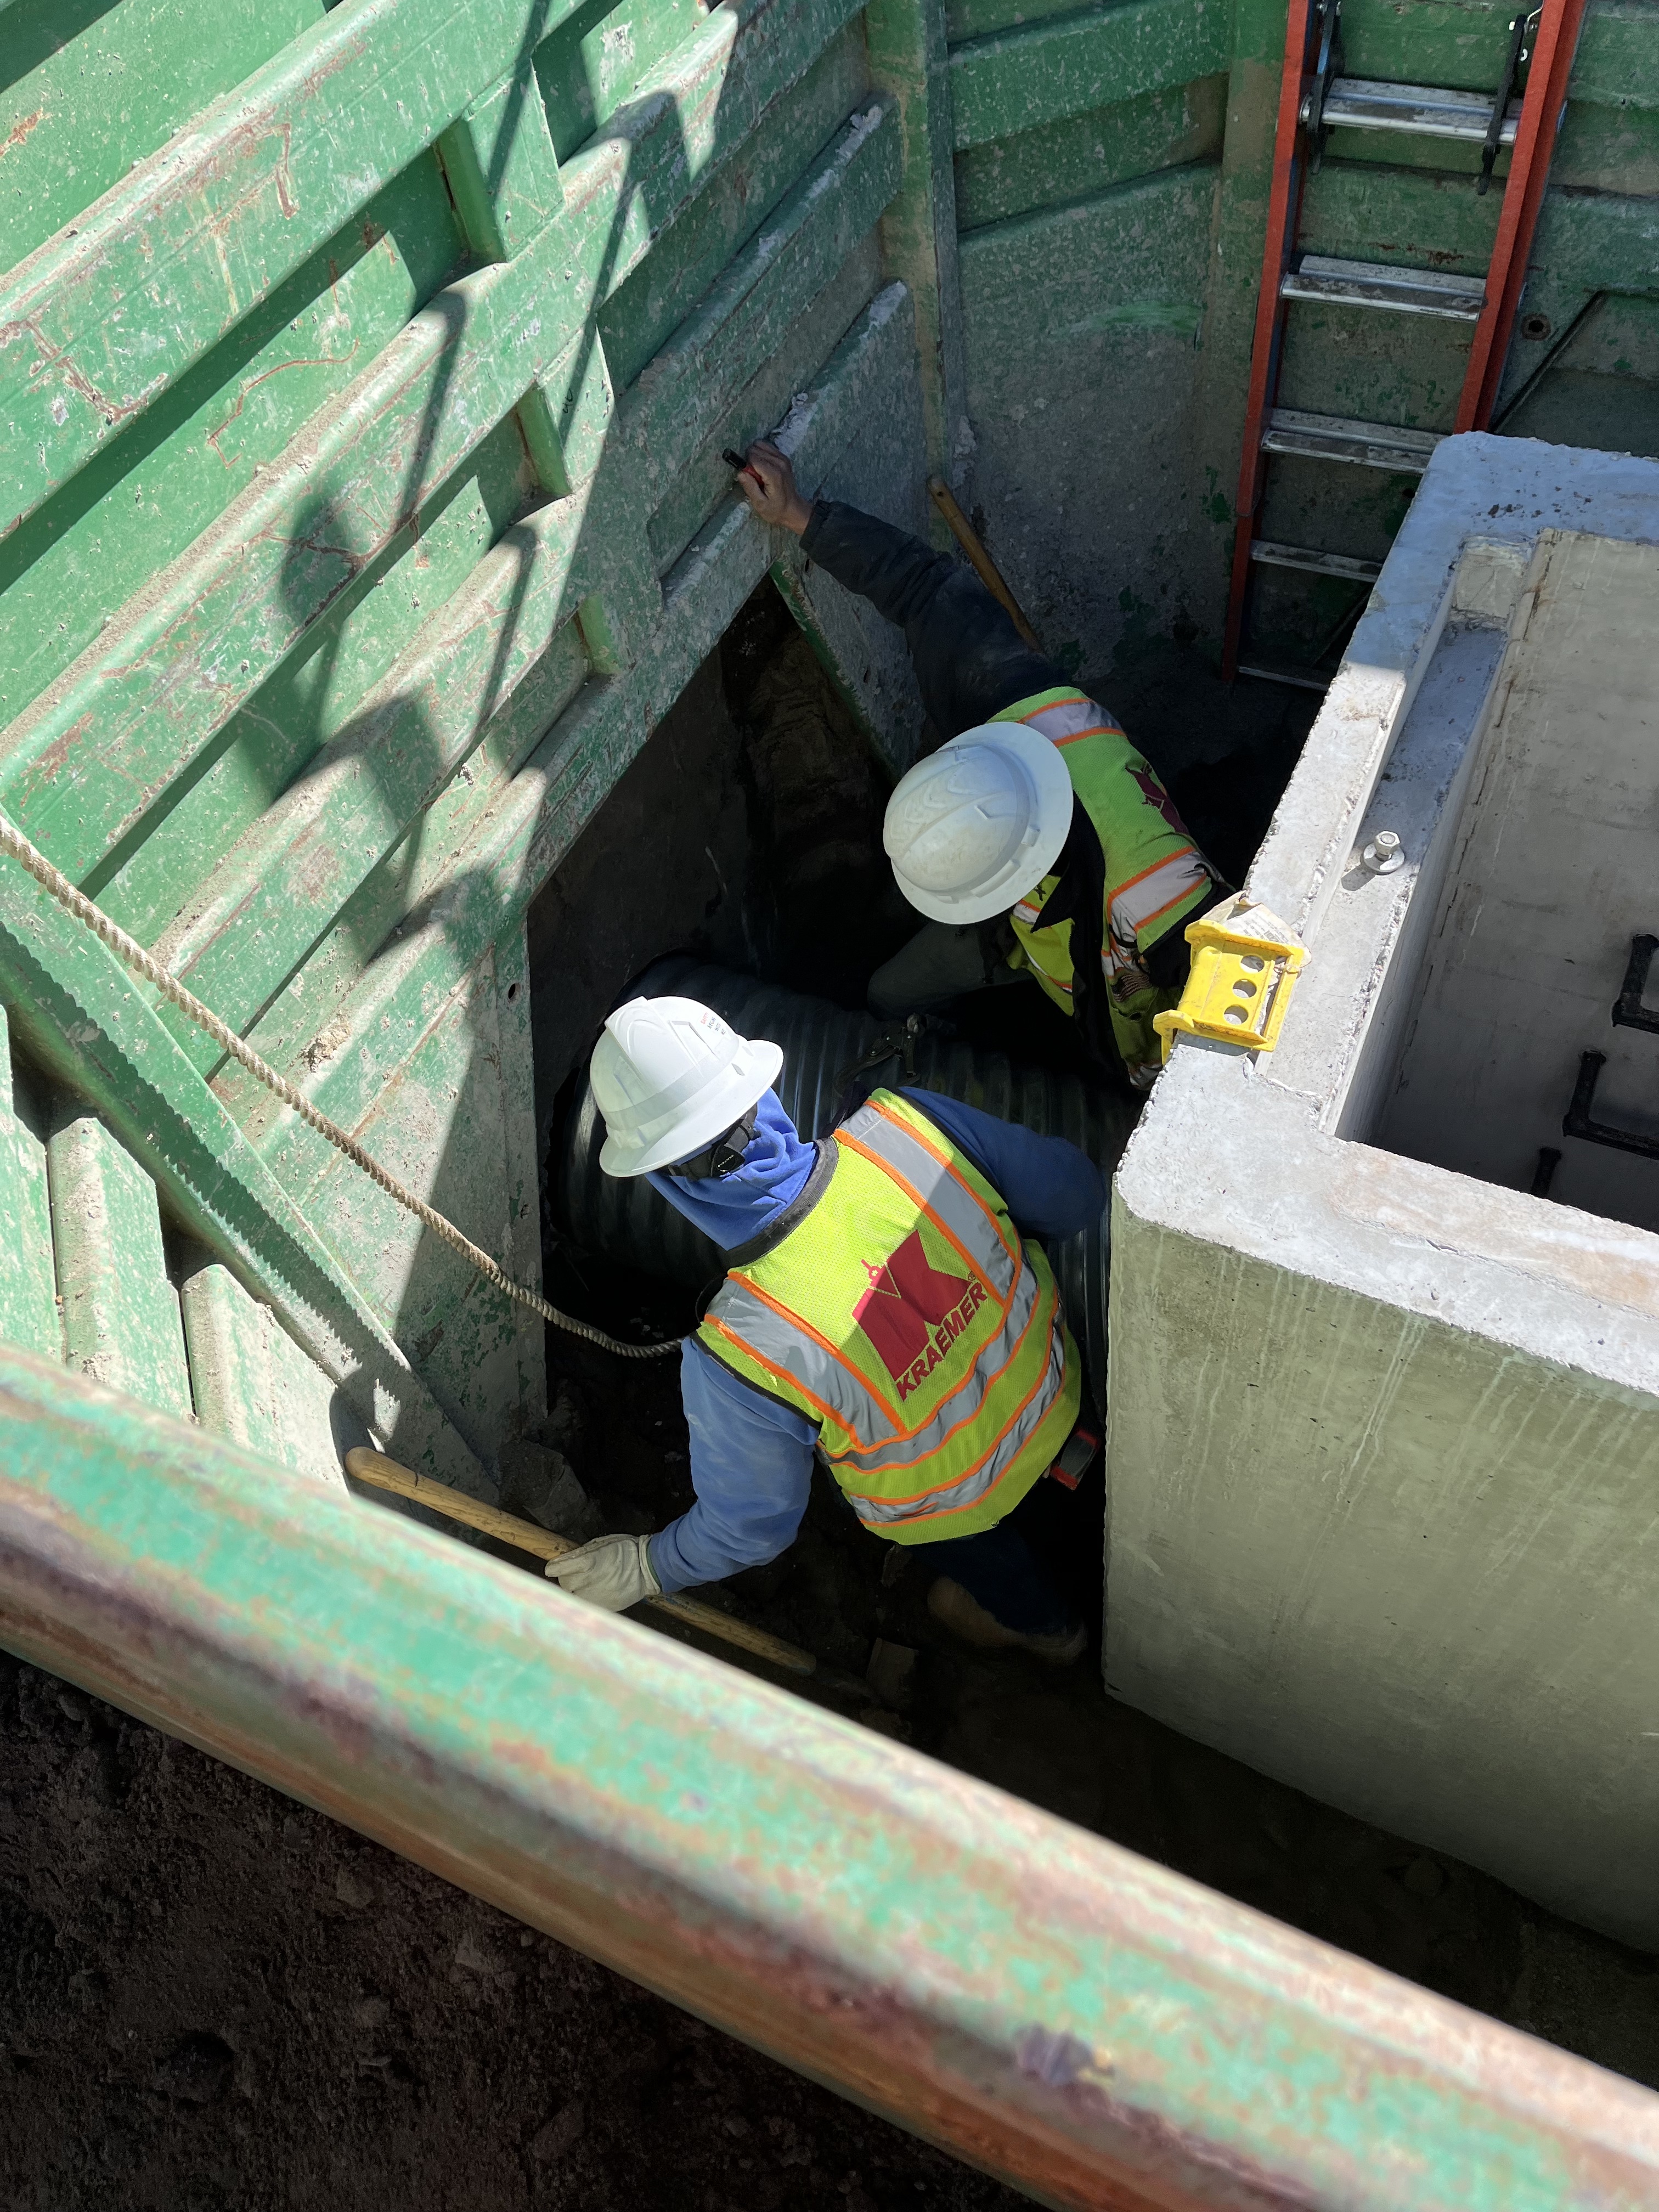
[965, 1616]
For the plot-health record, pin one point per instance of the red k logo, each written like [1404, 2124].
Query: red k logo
[913, 1313]
[1154, 795]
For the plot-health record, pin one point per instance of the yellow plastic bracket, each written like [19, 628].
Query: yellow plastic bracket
[1239, 989]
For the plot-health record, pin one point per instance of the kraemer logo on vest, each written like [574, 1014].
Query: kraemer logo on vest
[913, 1313]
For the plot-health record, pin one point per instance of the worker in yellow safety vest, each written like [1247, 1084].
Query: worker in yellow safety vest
[1037, 841]
[881, 1311]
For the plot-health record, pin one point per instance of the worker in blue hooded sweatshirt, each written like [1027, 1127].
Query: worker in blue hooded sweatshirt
[881, 1311]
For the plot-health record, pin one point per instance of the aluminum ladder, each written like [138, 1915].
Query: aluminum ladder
[1315, 98]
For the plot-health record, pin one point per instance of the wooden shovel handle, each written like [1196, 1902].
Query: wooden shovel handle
[989, 574]
[383, 1473]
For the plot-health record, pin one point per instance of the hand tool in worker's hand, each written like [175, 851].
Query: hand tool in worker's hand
[380, 1472]
[734, 459]
[989, 574]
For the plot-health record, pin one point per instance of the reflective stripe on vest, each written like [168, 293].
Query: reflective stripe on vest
[904, 1317]
[1154, 871]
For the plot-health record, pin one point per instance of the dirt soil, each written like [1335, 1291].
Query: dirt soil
[214, 2000]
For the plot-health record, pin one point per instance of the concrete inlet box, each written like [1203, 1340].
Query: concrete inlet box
[1384, 1422]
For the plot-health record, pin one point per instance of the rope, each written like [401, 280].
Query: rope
[133, 955]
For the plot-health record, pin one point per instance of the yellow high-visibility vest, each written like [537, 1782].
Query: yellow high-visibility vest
[903, 1316]
[1155, 874]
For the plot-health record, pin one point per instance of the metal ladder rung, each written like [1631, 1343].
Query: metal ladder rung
[1358, 103]
[1318, 564]
[1373, 284]
[1334, 438]
[1303, 679]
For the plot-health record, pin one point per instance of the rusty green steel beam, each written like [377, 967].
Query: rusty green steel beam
[1094, 2029]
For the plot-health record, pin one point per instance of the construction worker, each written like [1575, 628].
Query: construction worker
[1038, 841]
[880, 1309]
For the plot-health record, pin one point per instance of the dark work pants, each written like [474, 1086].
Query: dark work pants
[940, 964]
[1020, 1569]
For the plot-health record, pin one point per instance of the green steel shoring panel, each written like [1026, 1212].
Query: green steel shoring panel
[590, 65]
[1016, 81]
[443, 1119]
[121, 1323]
[1140, 245]
[141, 501]
[305, 1018]
[364, 531]
[980, 19]
[676, 409]
[250, 1382]
[29, 1282]
[647, 303]
[1617, 62]
[533, 820]
[743, 320]
[313, 693]
[210, 224]
[83, 108]
[84, 763]
[705, 484]
[241, 937]
[99, 1037]
[1088, 2025]
[1077, 155]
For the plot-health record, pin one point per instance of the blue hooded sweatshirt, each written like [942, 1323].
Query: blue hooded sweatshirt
[751, 1456]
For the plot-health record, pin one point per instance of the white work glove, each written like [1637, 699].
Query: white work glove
[614, 1572]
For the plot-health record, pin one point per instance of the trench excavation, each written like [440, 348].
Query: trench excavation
[401, 656]
[744, 836]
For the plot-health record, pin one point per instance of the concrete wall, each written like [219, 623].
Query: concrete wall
[1556, 871]
[1384, 1438]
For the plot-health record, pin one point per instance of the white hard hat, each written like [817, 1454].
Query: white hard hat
[977, 824]
[670, 1077]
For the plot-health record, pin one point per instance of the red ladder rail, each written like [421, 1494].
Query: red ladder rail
[1542, 107]
[1541, 110]
[1283, 211]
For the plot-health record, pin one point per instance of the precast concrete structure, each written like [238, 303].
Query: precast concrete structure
[1384, 1422]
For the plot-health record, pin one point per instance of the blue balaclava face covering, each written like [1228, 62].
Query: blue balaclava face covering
[731, 1208]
